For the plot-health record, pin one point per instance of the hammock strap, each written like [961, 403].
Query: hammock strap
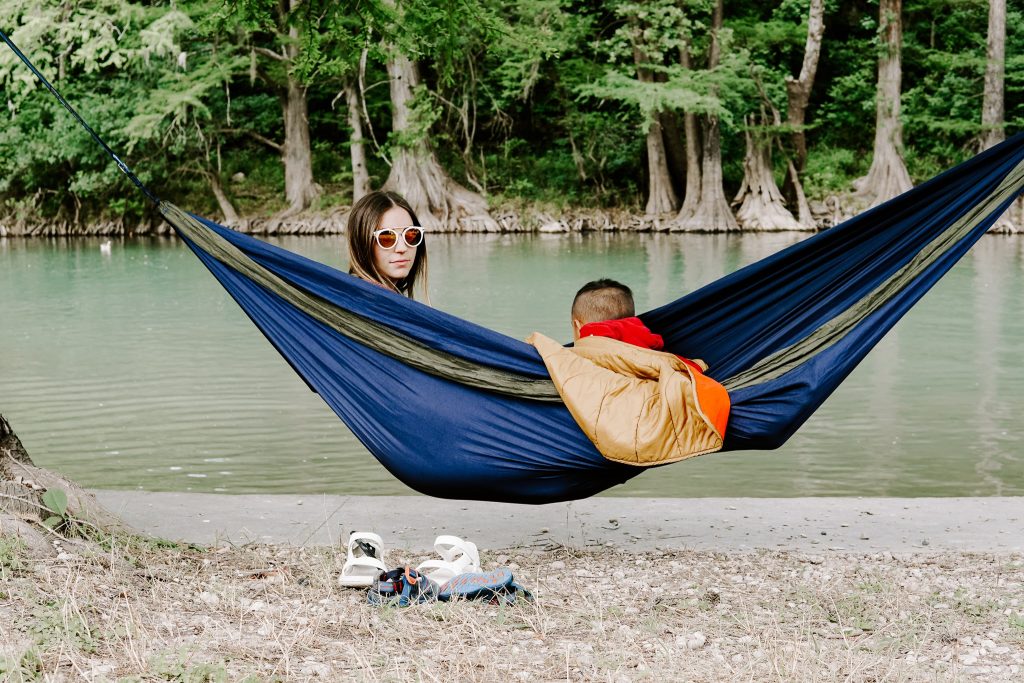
[120, 164]
[369, 333]
[788, 358]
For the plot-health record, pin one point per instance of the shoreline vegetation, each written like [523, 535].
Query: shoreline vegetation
[499, 115]
[533, 219]
[84, 596]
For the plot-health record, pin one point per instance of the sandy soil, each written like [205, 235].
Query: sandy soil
[135, 609]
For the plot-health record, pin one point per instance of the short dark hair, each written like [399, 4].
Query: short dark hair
[603, 299]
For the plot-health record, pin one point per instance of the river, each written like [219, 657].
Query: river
[130, 367]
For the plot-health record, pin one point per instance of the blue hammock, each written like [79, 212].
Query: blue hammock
[458, 411]
[780, 334]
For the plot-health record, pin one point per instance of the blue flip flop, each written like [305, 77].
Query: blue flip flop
[406, 586]
[401, 587]
[497, 585]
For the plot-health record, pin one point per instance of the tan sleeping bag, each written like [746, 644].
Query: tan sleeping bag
[638, 406]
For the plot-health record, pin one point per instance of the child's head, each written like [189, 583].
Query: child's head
[601, 300]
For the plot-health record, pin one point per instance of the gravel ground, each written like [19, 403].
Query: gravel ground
[136, 609]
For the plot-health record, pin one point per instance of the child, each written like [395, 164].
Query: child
[604, 308]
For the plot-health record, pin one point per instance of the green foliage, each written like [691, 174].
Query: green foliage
[56, 502]
[179, 667]
[832, 170]
[12, 558]
[536, 100]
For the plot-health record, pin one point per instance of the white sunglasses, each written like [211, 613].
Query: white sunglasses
[387, 238]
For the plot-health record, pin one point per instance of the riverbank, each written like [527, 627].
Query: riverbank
[518, 218]
[511, 218]
[645, 604]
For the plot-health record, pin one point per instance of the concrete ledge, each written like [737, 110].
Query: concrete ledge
[858, 525]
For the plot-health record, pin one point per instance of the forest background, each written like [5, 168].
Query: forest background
[499, 114]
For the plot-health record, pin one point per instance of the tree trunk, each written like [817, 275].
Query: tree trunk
[675, 149]
[299, 188]
[356, 146]
[761, 204]
[798, 90]
[226, 207]
[712, 213]
[661, 198]
[992, 106]
[11, 447]
[691, 195]
[803, 207]
[798, 94]
[888, 175]
[416, 173]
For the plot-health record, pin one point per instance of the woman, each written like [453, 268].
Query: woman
[385, 243]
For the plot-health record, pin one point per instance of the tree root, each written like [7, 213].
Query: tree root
[26, 514]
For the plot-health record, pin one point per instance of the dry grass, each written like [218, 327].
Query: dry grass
[139, 610]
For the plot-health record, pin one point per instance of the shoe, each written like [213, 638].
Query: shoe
[457, 557]
[365, 560]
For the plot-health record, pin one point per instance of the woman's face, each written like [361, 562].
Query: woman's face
[397, 262]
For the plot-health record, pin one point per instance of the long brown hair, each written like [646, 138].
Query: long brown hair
[364, 219]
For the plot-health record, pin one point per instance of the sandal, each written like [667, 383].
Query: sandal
[401, 587]
[365, 560]
[458, 557]
[496, 586]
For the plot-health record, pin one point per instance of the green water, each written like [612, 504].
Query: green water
[134, 369]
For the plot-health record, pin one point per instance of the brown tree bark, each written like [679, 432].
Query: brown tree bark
[675, 149]
[356, 144]
[661, 198]
[416, 174]
[993, 105]
[798, 94]
[798, 90]
[761, 203]
[22, 507]
[691, 128]
[992, 108]
[888, 175]
[299, 188]
[712, 213]
[227, 209]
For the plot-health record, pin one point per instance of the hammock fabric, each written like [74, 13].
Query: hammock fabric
[458, 411]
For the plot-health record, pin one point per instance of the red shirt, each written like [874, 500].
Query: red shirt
[632, 331]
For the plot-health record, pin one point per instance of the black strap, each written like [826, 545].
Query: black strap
[120, 164]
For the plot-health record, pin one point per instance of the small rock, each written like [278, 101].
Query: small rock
[210, 599]
[696, 641]
[556, 226]
[558, 564]
[313, 668]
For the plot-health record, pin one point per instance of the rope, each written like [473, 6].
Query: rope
[120, 164]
